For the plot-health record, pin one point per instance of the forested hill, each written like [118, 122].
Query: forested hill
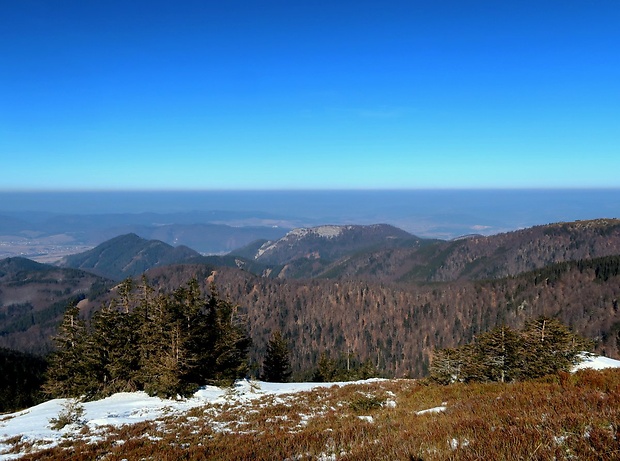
[310, 252]
[33, 298]
[478, 257]
[398, 326]
[128, 256]
[331, 242]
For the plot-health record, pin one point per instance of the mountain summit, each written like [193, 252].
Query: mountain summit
[329, 242]
[126, 256]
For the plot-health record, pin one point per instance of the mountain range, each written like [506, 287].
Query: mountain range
[487, 257]
[375, 291]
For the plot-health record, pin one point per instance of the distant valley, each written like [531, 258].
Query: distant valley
[47, 237]
[46, 226]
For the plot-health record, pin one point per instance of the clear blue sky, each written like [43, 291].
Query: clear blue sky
[106, 94]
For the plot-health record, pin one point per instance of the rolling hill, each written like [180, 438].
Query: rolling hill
[127, 256]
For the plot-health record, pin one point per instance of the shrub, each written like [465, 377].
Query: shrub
[71, 413]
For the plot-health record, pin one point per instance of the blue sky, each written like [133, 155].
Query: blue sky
[112, 95]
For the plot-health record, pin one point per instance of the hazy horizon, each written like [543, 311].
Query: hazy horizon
[432, 213]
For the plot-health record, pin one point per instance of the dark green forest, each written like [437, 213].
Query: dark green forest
[542, 347]
[21, 378]
[166, 344]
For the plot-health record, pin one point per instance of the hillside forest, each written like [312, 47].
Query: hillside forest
[388, 309]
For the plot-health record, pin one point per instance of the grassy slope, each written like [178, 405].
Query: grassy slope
[562, 417]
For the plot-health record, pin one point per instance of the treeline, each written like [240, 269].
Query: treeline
[166, 344]
[543, 346]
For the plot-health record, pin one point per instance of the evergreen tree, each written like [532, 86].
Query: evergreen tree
[163, 352]
[544, 346]
[231, 344]
[365, 370]
[113, 350]
[277, 365]
[497, 354]
[449, 365]
[548, 347]
[165, 344]
[69, 374]
[199, 324]
[189, 341]
[346, 368]
[326, 369]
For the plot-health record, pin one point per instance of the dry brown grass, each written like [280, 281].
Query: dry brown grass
[564, 417]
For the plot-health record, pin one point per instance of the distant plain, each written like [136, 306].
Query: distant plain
[45, 226]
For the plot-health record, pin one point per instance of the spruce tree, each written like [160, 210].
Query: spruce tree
[189, 341]
[165, 344]
[69, 373]
[544, 346]
[449, 365]
[277, 365]
[497, 354]
[231, 343]
[162, 349]
[113, 350]
[327, 369]
[548, 347]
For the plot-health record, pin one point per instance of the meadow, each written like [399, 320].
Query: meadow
[560, 417]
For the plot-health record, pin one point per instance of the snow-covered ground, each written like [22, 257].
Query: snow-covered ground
[597, 362]
[33, 424]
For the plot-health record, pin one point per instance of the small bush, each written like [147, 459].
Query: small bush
[365, 404]
[71, 413]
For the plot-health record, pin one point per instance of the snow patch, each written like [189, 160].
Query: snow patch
[390, 404]
[439, 409]
[456, 443]
[596, 362]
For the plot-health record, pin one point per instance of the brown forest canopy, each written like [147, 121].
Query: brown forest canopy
[398, 326]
